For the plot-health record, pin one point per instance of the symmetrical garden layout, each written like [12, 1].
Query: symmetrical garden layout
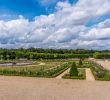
[59, 69]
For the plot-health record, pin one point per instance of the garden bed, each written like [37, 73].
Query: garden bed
[81, 75]
[51, 69]
[99, 72]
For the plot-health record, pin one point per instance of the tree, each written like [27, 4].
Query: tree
[80, 62]
[1, 57]
[73, 70]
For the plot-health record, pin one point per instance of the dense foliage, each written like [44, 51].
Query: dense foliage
[103, 55]
[39, 53]
[73, 70]
[80, 62]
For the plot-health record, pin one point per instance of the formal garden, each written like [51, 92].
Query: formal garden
[37, 69]
[38, 62]
[52, 68]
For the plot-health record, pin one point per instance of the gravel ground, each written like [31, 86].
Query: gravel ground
[89, 75]
[24, 88]
[104, 63]
[62, 74]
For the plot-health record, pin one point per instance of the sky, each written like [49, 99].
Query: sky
[68, 24]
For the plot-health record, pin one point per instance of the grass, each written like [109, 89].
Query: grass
[81, 75]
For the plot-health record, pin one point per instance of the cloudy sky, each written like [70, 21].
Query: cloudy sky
[55, 24]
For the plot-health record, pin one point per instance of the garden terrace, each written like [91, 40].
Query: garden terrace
[40, 69]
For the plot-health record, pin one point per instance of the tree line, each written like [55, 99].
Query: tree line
[40, 53]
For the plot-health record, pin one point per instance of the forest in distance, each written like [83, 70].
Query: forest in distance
[40, 53]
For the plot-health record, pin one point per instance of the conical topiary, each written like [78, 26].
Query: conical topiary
[73, 70]
[80, 62]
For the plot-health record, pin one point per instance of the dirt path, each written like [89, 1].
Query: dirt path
[104, 63]
[62, 74]
[89, 75]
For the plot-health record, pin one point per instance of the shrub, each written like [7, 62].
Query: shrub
[80, 62]
[74, 70]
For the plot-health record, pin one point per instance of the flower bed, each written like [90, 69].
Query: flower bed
[99, 72]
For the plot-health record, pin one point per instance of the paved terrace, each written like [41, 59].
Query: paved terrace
[27, 88]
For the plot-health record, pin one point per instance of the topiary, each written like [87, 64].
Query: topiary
[73, 70]
[80, 62]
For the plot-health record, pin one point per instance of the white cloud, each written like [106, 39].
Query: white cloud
[63, 29]
[104, 24]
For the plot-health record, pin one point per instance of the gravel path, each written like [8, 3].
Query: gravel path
[62, 74]
[104, 63]
[24, 88]
[89, 75]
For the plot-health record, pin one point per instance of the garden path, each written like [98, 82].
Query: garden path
[89, 75]
[104, 63]
[62, 74]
